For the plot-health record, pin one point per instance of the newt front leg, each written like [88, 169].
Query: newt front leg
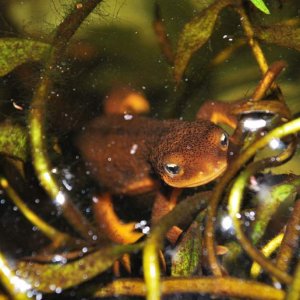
[109, 222]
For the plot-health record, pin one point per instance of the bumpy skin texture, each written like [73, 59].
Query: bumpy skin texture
[124, 155]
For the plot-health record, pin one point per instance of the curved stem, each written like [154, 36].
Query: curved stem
[226, 53]
[234, 205]
[290, 239]
[268, 79]
[271, 106]
[162, 36]
[150, 255]
[16, 287]
[279, 132]
[37, 116]
[294, 289]
[217, 286]
[267, 208]
[267, 250]
[249, 32]
[254, 45]
[58, 238]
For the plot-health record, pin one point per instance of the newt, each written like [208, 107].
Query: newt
[130, 155]
[123, 153]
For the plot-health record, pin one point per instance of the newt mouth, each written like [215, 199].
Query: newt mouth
[208, 179]
[193, 182]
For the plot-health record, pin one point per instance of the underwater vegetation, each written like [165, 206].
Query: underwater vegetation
[197, 198]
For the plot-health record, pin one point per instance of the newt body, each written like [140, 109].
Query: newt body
[124, 153]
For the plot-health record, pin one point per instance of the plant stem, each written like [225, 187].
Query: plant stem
[254, 45]
[58, 238]
[37, 118]
[15, 286]
[290, 239]
[234, 205]
[294, 289]
[209, 235]
[267, 250]
[150, 255]
[217, 286]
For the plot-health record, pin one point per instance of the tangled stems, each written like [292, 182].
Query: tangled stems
[219, 286]
[266, 209]
[235, 199]
[37, 117]
[274, 106]
[154, 242]
[279, 132]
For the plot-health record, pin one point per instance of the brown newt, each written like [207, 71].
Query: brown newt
[125, 152]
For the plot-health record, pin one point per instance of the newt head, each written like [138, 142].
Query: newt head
[193, 154]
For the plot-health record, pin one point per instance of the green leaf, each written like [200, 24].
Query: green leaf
[261, 6]
[14, 52]
[47, 277]
[187, 257]
[13, 140]
[195, 34]
[281, 35]
[273, 197]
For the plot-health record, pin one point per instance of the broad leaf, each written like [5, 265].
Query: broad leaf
[13, 141]
[187, 257]
[270, 198]
[286, 36]
[195, 34]
[261, 6]
[14, 52]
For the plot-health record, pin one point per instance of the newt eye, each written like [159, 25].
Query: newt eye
[172, 169]
[224, 141]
